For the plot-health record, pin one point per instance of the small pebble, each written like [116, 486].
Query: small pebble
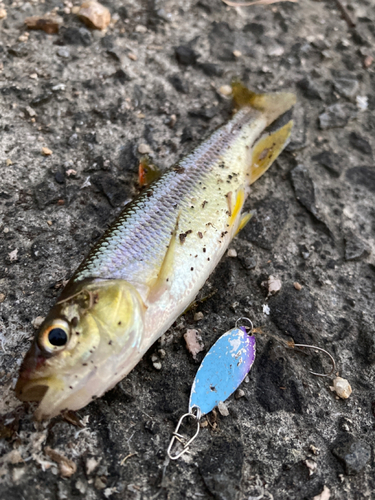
[273, 285]
[132, 56]
[140, 28]
[225, 90]
[223, 410]
[3, 13]
[324, 495]
[297, 286]
[193, 341]
[368, 61]
[239, 394]
[172, 121]
[144, 149]
[362, 102]
[30, 111]
[198, 316]
[99, 483]
[91, 465]
[266, 310]
[37, 322]
[237, 53]
[94, 15]
[63, 53]
[232, 252]
[342, 387]
[157, 365]
[314, 449]
[311, 465]
[2, 297]
[162, 353]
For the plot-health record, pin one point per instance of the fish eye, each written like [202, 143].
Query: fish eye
[56, 336]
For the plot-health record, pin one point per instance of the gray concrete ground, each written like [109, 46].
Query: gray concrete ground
[79, 94]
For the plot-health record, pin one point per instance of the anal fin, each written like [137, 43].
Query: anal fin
[267, 149]
[245, 219]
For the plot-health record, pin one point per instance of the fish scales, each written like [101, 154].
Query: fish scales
[151, 263]
[125, 251]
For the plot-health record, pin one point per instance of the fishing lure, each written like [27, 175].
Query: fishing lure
[221, 372]
[151, 263]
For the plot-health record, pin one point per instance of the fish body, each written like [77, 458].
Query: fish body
[150, 264]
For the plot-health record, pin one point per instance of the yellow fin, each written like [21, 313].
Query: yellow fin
[267, 149]
[237, 206]
[161, 283]
[245, 219]
[272, 105]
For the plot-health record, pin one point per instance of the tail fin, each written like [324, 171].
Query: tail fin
[272, 105]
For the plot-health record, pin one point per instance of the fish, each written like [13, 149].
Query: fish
[153, 260]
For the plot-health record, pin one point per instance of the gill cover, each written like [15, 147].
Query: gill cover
[90, 333]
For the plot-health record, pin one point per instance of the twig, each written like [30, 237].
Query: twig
[127, 456]
[345, 14]
[256, 2]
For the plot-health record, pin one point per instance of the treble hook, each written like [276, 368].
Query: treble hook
[325, 352]
[181, 438]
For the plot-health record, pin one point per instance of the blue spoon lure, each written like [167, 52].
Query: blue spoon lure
[221, 372]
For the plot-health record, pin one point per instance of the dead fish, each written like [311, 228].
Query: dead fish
[150, 264]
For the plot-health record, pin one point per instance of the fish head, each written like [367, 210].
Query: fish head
[87, 341]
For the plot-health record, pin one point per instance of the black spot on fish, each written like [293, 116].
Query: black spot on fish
[178, 169]
[200, 234]
[204, 203]
[204, 250]
[110, 342]
[192, 269]
[119, 323]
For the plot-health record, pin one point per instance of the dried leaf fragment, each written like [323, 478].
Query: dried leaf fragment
[46, 151]
[66, 466]
[3, 14]
[49, 23]
[94, 15]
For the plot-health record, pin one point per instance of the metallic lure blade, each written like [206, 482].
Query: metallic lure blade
[222, 370]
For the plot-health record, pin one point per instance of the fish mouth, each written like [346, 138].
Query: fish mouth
[31, 390]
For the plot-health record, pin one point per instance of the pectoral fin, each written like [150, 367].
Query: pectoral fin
[267, 149]
[162, 282]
